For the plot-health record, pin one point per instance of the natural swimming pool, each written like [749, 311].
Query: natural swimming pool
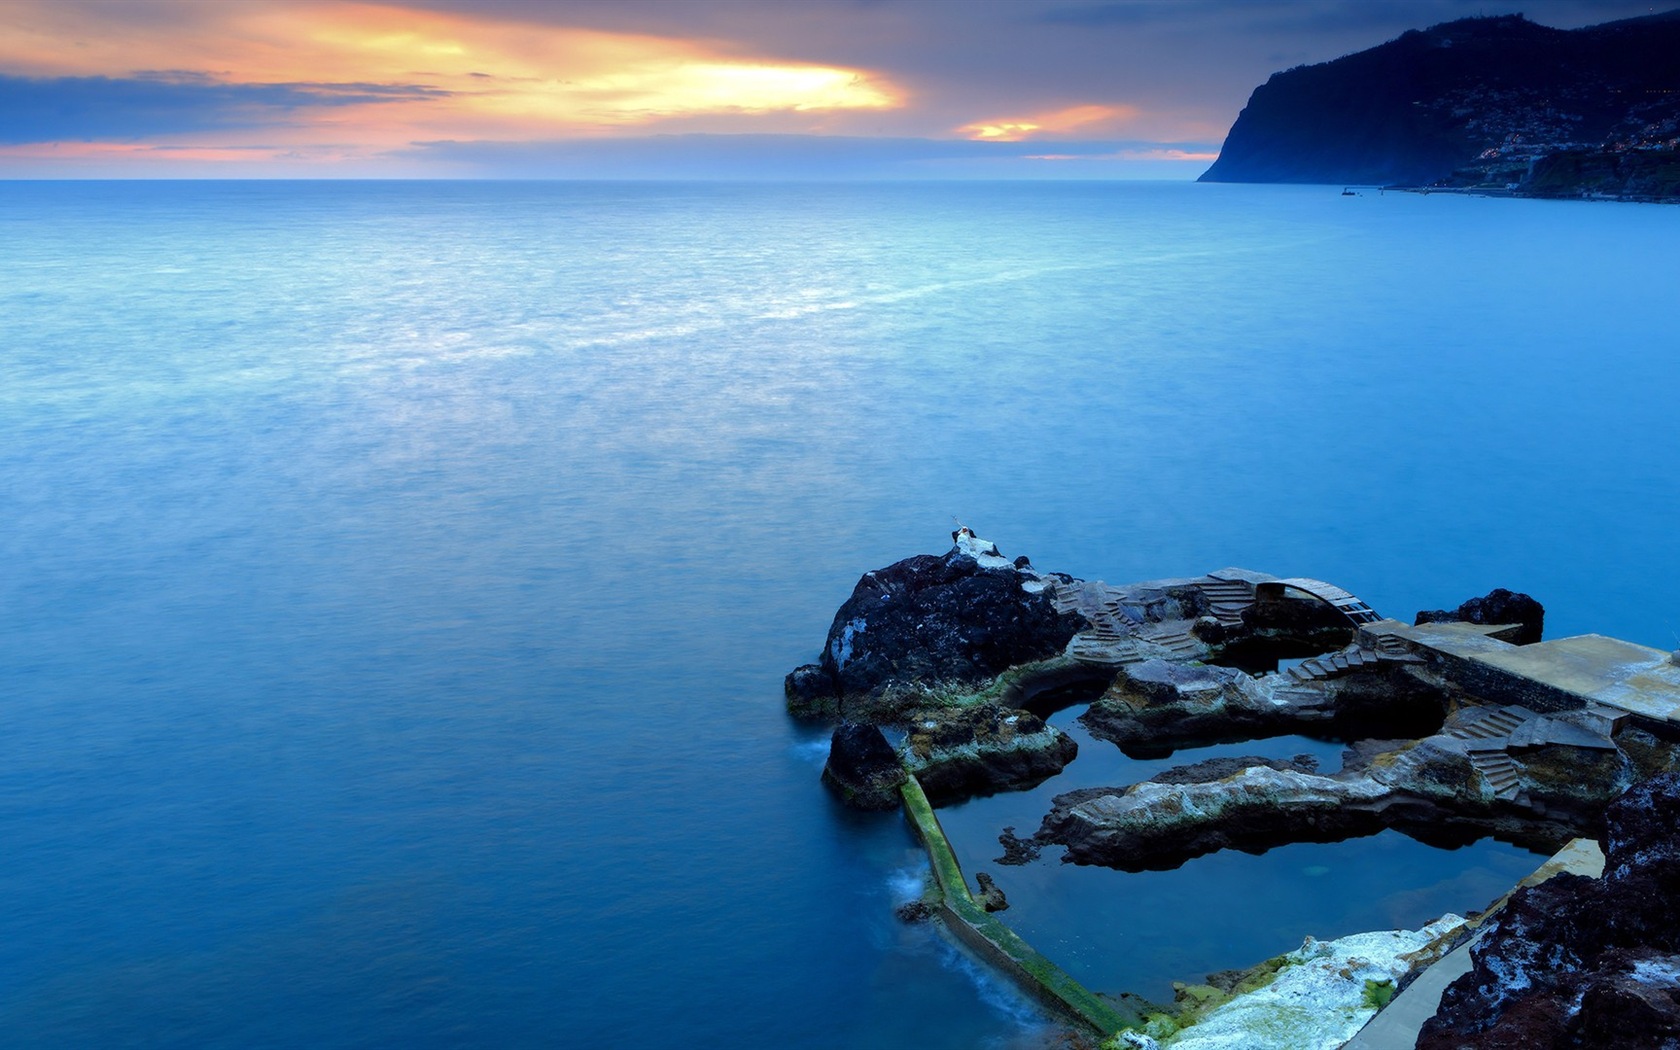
[1140, 931]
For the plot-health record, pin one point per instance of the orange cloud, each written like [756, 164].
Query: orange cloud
[1130, 154]
[494, 79]
[1058, 122]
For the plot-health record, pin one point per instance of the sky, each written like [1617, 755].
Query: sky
[665, 88]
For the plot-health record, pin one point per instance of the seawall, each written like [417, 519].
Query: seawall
[989, 938]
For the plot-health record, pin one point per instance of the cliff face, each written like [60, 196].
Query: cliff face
[1483, 102]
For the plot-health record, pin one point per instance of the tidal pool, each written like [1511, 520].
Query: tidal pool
[1139, 932]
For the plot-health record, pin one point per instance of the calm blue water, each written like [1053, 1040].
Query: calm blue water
[397, 579]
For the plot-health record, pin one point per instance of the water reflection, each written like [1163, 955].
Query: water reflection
[1139, 932]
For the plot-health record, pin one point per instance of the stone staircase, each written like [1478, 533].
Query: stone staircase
[1334, 665]
[1228, 599]
[1104, 647]
[1302, 696]
[1175, 637]
[1495, 764]
[1110, 640]
[1499, 769]
[1496, 723]
[1392, 646]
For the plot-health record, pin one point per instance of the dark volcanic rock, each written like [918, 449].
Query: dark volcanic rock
[991, 898]
[913, 912]
[1017, 850]
[928, 622]
[958, 753]
[812, 692]
[1499, 606]
[1220, 768]
[863, 767]
[1583, 963]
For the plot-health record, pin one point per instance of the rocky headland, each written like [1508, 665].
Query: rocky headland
[1462, 724]
[1498, 105]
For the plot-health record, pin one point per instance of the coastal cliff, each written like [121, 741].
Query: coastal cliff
[1499, 104]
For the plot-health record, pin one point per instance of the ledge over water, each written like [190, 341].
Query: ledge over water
[1462, 727]
[997, 943]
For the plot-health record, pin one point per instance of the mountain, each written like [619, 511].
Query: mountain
[1482, 103]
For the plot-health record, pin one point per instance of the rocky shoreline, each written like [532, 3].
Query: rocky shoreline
[1458, 727]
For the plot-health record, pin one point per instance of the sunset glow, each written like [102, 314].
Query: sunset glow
[380, 77]
[640, 88]
[1057, 122]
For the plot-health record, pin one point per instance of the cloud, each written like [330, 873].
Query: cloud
[1056, 122]
[81, 109]
[349, 82]
[482, 75]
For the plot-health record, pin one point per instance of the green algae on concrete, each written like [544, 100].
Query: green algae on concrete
[997, 943]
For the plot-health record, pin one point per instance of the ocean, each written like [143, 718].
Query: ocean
[398, 578]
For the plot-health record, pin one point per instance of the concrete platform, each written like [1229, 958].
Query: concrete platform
[1607, 671]
[1587, 671]
[1396, 1027]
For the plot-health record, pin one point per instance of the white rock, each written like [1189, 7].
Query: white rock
[983, 551]
[1317, 1001]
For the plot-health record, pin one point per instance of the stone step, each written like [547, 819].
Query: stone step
[1227, 599]
[1107, 633]
[1499, 770]
[1479, 731]
[1106, 654]
[1064, 602]
[1496, 723]
[1215, 585]
[1333, 665]
[1116, 609]
[1179, 643]
[1504, 716]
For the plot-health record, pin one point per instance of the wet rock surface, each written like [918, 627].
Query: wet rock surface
[954, 649]
[1156, 706]
[1498, 606]
[863, 768]
[958, 620]
[991, 897]
[963, 752]
[1583, 963]
[1158, 826]
[1016, 850]
[1220, 768]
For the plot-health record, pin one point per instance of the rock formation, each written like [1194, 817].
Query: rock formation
[1499, 606]
[1456, 733]
[1583, 963]
[928, 623]
[1319, 995]
[982, 749]
[862, 767]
